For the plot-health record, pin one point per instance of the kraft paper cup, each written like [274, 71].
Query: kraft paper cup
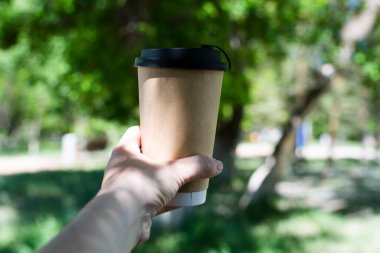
[178, 112]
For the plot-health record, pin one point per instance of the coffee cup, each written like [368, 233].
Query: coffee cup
[179, 94]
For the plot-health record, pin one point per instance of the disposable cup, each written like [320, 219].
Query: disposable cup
[179, 94]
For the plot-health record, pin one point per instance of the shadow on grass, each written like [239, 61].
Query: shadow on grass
[214, 227]
[354, 183]
[59, 193]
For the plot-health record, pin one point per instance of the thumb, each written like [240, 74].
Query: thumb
[195, 167]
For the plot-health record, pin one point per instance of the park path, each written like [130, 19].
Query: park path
[311, 152]
[15, 164]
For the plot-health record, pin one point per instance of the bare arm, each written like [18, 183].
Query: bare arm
[134, 189]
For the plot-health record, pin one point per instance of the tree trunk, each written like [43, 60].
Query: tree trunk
[225, 143]
[262, 182]
[261, 185]
[34, 137]
[374, 112]
[367, 144]
[337, 86]
[333, 132]
[378, 145]
[377, 136]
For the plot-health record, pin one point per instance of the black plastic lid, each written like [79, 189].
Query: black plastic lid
[205, 58]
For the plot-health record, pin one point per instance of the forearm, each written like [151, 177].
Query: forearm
[111, 222]
[134, 189]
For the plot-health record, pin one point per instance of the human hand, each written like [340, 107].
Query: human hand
[151, 184]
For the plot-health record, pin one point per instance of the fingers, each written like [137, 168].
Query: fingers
[195, 167]
[131, 140]
[167, 209]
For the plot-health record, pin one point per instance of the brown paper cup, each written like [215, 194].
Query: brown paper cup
[178, 115]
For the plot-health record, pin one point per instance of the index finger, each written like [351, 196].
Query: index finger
[131, 140]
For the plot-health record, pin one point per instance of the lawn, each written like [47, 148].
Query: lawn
[34, 207]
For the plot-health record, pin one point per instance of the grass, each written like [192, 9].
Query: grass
[34, 207]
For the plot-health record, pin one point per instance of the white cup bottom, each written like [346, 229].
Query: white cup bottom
[189, 199]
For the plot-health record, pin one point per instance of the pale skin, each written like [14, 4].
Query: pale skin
[134, 189]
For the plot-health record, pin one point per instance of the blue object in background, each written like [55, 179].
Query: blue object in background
[303, 133]
[300, 137]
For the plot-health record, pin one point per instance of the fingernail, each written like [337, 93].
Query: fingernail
[219, 165]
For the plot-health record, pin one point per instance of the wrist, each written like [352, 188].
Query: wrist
[132, 187]
[137, 213]
[130, 212]
[125, 199]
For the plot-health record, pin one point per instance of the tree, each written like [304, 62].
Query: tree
[99, 40]
[262, 182]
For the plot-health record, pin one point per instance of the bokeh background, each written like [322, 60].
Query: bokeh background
[298, 128]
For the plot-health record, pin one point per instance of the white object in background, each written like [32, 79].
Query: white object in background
[327, 70]
[325, 140]
[69, 148]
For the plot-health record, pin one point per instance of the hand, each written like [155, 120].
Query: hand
[151, 184]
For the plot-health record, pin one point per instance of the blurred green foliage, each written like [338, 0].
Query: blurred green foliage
[65, 59]
[61, 61]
